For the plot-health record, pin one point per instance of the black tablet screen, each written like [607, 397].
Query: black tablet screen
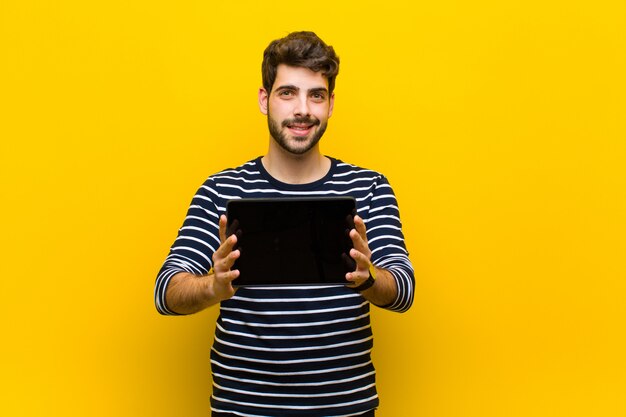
[292, 241]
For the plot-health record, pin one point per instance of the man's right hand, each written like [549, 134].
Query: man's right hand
[221, 287]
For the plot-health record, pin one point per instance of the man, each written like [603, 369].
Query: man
[301, 350]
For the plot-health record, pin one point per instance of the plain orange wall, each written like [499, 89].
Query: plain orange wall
[501, 126]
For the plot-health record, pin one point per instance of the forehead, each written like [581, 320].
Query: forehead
[300, 77]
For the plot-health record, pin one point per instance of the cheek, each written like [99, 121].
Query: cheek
[277, 110]
[324, 113]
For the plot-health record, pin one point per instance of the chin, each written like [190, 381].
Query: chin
[300, 147]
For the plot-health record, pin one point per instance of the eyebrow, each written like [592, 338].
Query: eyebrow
[293, 87]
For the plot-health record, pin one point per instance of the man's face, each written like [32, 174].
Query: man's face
[297, 108]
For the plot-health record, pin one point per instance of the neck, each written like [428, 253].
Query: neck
[295, 169]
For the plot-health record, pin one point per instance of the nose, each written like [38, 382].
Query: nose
[301, 106]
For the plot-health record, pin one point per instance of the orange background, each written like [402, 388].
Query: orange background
[500, 125]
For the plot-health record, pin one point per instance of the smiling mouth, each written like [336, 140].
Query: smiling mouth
[300, 125]
[302, 128]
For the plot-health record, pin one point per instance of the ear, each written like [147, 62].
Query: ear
[332, 104]
[263, 100]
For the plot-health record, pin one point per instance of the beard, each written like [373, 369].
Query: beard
[296, 145]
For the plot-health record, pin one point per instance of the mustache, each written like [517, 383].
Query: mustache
[301, 120]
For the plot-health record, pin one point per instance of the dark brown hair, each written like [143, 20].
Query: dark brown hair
[300, 49]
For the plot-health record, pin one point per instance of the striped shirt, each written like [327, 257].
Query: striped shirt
[301, 350]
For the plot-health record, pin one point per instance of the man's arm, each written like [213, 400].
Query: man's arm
[188, 293]
[384, 291]
[382, 245]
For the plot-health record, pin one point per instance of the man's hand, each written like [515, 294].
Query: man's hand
[360, 253]
[221, 287]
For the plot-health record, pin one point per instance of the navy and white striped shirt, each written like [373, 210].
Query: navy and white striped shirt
[301, 350]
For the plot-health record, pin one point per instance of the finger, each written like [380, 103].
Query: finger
[222, 224]
[226, 247]
[359, 243]
[359, 225]
[222, 284]
[361, 270]
[228, 276]
[225, 256]
[224, 264]
[362, 261]
[356, 278]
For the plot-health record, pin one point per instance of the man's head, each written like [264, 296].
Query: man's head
[300, 49]
[299, 73]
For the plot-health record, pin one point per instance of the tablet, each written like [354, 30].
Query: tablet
[292, 241]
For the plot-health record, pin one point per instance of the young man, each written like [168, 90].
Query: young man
[301, 350]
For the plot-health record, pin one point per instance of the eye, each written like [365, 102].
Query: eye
[318, 96]
[285, 93]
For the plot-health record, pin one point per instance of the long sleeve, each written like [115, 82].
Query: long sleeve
[193, 248]
[386, 241]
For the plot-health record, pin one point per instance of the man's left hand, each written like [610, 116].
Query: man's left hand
[360, 253]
